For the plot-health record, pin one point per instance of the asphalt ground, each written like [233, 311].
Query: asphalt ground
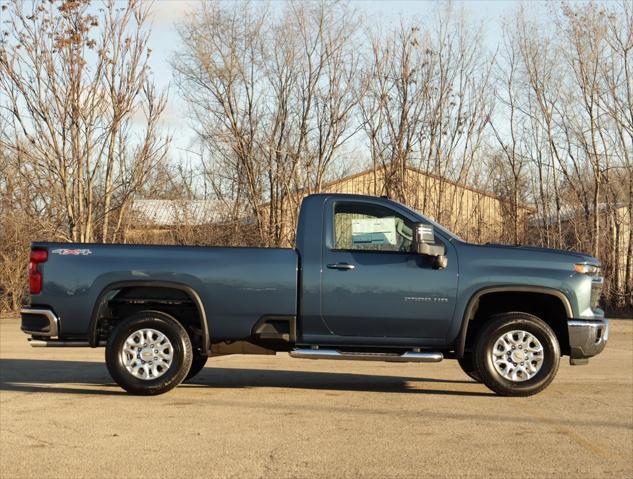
[272, 416]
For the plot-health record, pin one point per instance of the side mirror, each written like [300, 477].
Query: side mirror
[424, 244]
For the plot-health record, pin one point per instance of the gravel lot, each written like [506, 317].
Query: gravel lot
[273, 416]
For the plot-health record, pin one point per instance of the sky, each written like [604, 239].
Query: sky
[165, 42]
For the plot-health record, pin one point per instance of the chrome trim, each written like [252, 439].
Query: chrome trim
[56, 343]
[53, 321]
[341, 266]
[517, 355]
[586, 338]
[407, 357]
[147, 354]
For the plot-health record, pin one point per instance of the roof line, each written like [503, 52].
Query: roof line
[421, 172]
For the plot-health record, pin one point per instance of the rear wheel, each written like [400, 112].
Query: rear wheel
[148, 353]
[517, 354]
[467, 363]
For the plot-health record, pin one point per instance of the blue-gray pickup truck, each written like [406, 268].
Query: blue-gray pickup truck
[368, 279]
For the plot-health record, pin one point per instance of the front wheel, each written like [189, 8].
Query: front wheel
[517, 354]
[148, 353]
[467, 363]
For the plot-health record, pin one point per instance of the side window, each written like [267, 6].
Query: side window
[363, 226]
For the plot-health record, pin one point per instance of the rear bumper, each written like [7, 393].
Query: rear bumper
[586, 339]
[39, 322]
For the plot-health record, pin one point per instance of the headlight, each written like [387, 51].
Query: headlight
[596, 292]
[590, 269]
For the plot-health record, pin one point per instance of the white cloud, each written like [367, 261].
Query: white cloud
[166, 12]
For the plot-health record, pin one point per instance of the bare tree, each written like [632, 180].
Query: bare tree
[509, 166]
[282, 98]
[453, 139]
[617, 105]
[426, 98]
[574, 99]
[396, 82]
[272, 98]
[81, 111]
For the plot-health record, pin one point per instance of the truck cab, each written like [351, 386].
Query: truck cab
[364, 283]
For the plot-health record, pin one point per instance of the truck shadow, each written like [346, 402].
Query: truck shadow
[317, 380]
[81, 377]
[70, 377]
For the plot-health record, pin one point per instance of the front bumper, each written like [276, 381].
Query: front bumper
[586, 339]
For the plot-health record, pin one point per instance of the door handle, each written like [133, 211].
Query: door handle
[341, 266]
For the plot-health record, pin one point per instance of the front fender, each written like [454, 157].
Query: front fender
[468, 310]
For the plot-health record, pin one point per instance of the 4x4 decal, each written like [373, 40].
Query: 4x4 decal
[72, 252]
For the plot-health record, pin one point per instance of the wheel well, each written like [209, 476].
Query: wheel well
[183, 305]
[547, 307]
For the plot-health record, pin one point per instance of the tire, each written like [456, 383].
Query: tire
[197, 363]
[156, 368]
[467, 363]
[517, 373]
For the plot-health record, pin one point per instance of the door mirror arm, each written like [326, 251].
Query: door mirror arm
[424, 244]
[440, 262]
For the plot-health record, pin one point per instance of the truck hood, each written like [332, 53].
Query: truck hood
[583, 257]
[530, 253]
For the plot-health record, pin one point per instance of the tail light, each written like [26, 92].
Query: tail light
[35, 276]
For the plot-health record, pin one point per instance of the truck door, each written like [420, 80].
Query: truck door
[372, 284]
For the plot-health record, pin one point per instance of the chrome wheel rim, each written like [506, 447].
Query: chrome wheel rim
[147, 354]
[517, 355]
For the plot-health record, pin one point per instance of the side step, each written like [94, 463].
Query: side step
[408, 357]
[57, 343]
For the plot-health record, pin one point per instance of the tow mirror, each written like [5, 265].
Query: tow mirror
[424, 244]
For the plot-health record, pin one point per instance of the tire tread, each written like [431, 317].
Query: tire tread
[123, 378]
[519, 319]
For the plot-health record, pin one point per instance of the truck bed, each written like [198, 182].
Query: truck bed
[237, 286]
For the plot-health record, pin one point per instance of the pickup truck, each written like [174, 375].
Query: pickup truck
[368, 279]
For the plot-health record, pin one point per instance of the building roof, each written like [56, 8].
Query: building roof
[172, 212]
[568, 213]
[198, 212]
[419, 171]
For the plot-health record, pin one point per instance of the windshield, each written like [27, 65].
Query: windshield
[436, 226]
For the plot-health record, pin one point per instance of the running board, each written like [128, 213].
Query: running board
[408, 357]
[56, 343]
